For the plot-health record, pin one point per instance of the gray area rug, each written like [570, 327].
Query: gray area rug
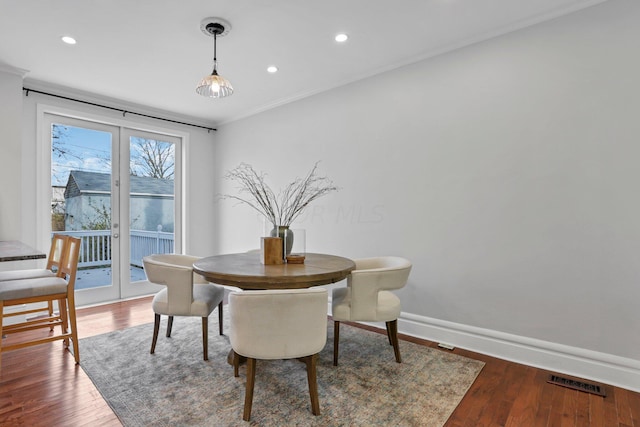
[176, 387]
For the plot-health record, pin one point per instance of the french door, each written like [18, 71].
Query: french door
[117, 189]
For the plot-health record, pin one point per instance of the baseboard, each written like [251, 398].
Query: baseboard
[596, 366]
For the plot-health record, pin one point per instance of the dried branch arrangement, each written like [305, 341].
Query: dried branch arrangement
[284, 208]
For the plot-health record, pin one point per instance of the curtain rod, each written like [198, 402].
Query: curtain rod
[124, 112]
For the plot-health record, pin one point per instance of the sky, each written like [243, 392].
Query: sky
[87, 150]
[91, 151]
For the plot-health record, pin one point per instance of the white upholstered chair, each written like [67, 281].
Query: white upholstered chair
[60, 288]
[278, 324]
[186, 293]
[367, 298]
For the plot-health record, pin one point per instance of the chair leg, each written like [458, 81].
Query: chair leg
[389, 334]
[169, 326]
[236, 364]
[156, 329]
[74, 328]
[220, 317]
[205, 336]
[311, 362]
[336, 341]
[64, 319]
[50, 307]
[251, 380]
[392, 327]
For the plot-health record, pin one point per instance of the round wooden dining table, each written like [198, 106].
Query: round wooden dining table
[245, 271]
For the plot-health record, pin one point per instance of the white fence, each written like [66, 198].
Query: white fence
[95, 248]
[145, 243]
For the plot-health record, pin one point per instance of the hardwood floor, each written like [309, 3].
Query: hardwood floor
[41, 386]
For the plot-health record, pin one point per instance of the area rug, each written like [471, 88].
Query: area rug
[176, 387]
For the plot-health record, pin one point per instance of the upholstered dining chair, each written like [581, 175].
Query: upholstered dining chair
[51, 270]
[186, 294]
[60, 288]
[278, 324]
[367, 298]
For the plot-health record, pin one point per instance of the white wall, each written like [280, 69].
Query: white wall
[506, 171]
[10, 144]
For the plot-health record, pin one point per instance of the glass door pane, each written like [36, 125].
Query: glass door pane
[152, 202]
[84, 202]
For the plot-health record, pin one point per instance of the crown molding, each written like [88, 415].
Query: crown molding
[6, 68]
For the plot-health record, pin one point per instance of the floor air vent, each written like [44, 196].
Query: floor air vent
[577, 385]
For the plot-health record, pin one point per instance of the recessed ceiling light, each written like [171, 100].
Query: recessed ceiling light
[341, 37]
[68, 40]
[272, 69]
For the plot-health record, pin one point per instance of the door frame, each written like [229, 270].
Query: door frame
[43, 181]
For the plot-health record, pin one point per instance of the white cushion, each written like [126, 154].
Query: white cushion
[206, 298]
[387, 309]
[25, 288]
[25, 274]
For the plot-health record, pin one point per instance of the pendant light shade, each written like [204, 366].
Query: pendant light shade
[214, 85]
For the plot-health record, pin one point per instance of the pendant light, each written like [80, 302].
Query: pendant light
[214, 85]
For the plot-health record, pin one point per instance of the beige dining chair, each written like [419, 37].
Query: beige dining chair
[186, 294]
[278, 324]
[51, 270]
[367, 298]
[60, 288]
